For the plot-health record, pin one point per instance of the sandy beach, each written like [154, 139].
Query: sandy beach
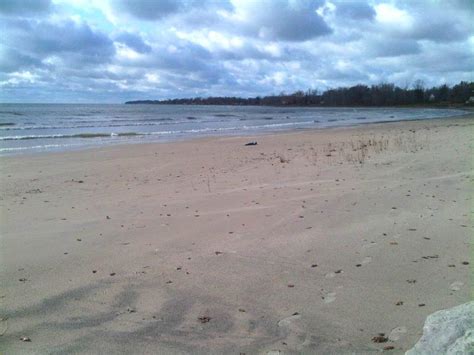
[309, 242]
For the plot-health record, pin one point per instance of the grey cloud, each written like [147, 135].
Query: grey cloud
[441, 30]
[12, 60]
[185, 57]
[342, 77]
[356, 10]
[392, 47]
[188, 57]
[446, 21]
[443, 58]
[67, 38]
[158, 9]
[133, 41]
[284, 20]
[149, 9]
[250, 51]
[24, 7]
[246, 52]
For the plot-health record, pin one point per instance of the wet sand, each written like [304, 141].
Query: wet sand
[310, 242]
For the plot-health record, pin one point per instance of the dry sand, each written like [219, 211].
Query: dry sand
[309, 242]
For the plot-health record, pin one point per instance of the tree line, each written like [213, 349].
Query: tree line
[359, 95]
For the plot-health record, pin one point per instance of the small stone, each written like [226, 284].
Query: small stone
[381, 338]
[204, 319]
[112, 274]
[26, 339]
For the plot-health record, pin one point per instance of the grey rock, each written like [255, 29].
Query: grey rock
[449, 331]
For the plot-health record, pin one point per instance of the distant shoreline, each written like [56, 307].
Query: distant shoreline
[381, 95]
[438, 106]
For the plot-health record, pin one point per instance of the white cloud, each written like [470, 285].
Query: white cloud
[391, 16]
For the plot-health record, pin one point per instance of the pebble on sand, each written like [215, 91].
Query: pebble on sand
[381, 338]
[204, 319]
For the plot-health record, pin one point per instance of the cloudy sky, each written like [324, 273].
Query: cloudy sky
[117, 50]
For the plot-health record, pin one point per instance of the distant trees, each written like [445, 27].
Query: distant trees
[384, 94]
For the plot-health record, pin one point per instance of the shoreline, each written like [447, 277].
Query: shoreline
[467, 115]
[312, 241]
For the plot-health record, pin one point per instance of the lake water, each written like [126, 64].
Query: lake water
[28, 128]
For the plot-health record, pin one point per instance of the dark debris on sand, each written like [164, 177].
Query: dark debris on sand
[381, 338]
[204, 319]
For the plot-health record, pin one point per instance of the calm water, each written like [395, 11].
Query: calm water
[43, 127]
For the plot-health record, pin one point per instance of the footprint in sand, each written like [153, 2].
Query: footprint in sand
[396, 333]
[292, 330]
[295, 337]
[456, 285]
[329, 297]
[288, 321]
[369, 245]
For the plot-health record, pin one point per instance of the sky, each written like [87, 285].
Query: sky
[110, 51]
